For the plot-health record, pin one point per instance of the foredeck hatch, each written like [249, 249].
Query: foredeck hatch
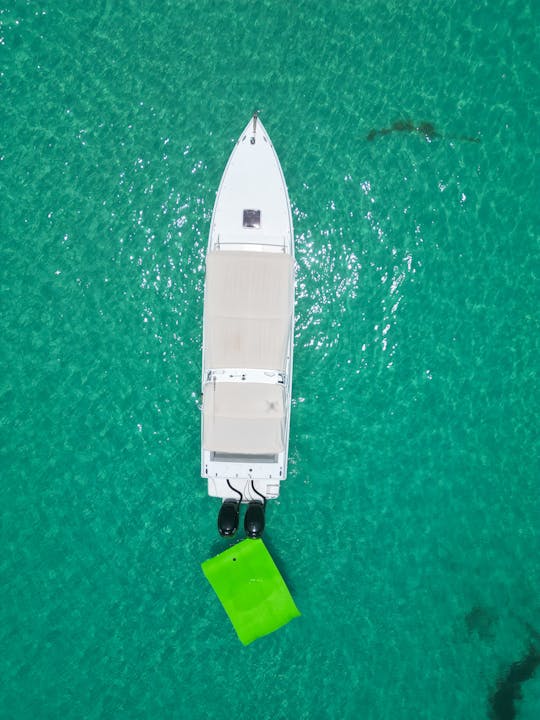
[251, 219]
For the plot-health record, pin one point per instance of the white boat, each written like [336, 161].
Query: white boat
[248, 334]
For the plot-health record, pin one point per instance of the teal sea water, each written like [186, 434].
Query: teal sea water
[408, 529]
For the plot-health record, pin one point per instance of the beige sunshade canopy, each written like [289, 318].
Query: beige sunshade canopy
[244, 418]
[248, 309]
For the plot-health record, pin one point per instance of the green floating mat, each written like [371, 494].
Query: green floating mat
[251, 589]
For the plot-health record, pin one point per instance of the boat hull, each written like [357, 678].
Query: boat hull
[248, 325]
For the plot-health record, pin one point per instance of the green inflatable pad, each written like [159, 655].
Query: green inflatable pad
[251, 589]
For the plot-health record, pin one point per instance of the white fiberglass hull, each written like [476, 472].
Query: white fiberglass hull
[248, 325]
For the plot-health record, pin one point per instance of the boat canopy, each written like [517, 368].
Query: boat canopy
[248, 309]
[244, 418]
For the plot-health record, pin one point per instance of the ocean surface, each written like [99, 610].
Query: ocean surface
[408, 528]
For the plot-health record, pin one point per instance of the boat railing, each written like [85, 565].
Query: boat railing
[240, 242]
[247, 375]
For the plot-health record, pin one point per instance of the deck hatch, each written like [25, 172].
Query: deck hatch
[252, 219]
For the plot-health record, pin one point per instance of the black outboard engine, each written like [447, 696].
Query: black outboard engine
[228, 518]
[254, 519]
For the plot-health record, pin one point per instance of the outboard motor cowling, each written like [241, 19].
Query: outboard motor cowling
[228, 518]
[254, 520]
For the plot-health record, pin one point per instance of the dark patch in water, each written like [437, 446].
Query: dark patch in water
[426, 129]
[480, 621]
[403, 126]
[508, 690]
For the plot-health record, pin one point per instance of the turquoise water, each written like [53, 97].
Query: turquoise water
[408, 527]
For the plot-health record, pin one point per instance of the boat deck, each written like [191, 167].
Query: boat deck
[248, 325]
